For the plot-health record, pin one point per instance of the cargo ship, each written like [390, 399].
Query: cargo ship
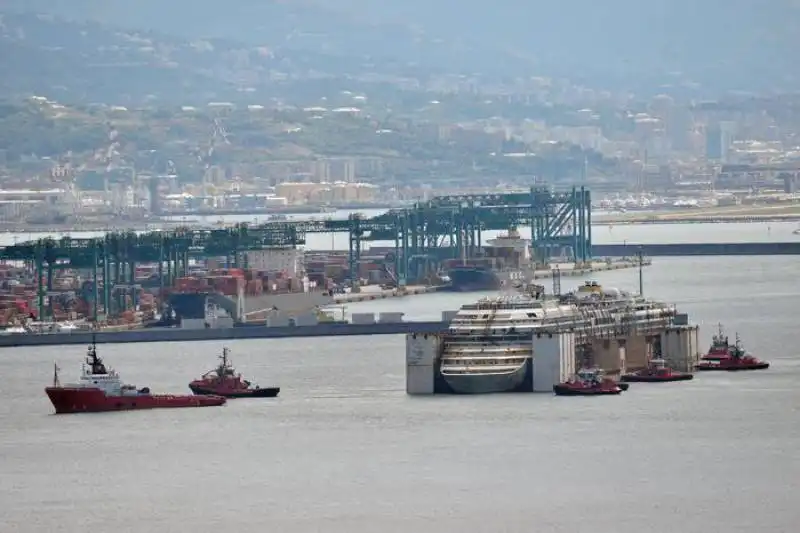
[488, 346]
[100, 389]
[506, 263]
[477, 277]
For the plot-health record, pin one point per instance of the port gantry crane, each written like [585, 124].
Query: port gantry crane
[443, 227]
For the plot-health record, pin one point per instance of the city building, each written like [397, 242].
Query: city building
[719, 138]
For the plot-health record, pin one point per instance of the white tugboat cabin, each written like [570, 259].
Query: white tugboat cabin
[95, 375]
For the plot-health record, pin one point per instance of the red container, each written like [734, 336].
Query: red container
[255, 287]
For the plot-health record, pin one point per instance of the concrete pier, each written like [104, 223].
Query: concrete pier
[370, 293]
[610, 355]
[680, 347]
[422, 354]
[373, 292]
[639, 349]
[330, 329]
[553, 361]
[697, 249]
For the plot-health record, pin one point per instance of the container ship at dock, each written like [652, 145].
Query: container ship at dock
[488, 346]
[505, 262]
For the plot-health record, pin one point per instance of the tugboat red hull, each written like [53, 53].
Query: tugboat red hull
[87, 400]
[650, 378]
[567, 390]
[266, 392]
[728, 366]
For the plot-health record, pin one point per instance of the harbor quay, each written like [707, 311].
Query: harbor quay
[178, 334]
[696, 249]
[572, 270]
[123, 279]
[627, 342]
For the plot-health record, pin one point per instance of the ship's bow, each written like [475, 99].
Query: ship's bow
[70, 400]
[485, 382]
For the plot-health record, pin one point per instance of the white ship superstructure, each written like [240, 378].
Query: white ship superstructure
[489, 342]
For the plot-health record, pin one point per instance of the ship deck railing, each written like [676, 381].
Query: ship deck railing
[480, 369]
[584, 331]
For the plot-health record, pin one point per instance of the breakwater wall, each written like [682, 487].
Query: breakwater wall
[383, 294]
[688, 249]
[242, 332]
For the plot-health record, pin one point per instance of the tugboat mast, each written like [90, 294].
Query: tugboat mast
[94, 362]
[222, 369]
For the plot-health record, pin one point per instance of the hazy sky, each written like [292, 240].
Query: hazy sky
[736, 39]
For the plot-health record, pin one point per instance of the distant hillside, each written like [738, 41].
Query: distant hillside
[85, 61]
[296, 25]
[78, 59]
[720, 44]
[88, 62]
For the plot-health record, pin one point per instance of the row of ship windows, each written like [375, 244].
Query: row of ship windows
[469, 362]
[535, 314]
[462, 322]
[506, 307]
[514, 353]
[502, 319]
[494, 317]
[598, 321]
[529, 310]
[507, 326]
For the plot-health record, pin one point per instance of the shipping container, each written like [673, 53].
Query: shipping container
[255, 287]
[226, 272]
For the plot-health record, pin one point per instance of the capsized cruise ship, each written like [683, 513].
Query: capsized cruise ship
[489, 349]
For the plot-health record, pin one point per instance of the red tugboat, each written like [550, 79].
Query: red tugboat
[224, 381]
[729, 357]
[588, 382]
[657, 371]
[100, 389]
[720, 347]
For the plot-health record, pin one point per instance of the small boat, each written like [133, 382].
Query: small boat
[657, 371]
[588, 382]
[100, 389]
[720, 347]
[724, 356]
[224, 381]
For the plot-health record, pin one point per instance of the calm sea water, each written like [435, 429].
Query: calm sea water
[343, 449]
